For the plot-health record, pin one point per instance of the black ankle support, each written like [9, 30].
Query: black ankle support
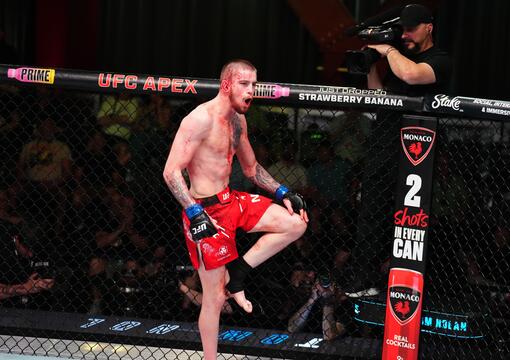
[237, 271]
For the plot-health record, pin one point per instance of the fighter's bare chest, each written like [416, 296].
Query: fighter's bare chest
[225, 136]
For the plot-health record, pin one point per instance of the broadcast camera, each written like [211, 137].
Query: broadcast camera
[383, 28]
[360, 61]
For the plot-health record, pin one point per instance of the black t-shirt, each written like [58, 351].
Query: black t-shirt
[440, 63]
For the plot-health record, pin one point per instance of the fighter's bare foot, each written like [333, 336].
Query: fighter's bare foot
[239, 268]
[241, 300]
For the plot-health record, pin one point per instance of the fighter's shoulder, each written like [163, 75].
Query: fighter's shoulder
[198, 117]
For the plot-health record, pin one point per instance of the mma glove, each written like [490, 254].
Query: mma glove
[296, 200]
[200, 225]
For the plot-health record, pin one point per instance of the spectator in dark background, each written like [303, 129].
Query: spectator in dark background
[329, 179]
[16, 277]
[340, 236]
[151, 134]
[117, 115]
[289, 171]
[348, 136]
[119, 245]
[311, 139]
[296, 290]
[33, 285]
[149, 146]
[126, 175]
[79, 224]
[95, 160]
[44, 167]
[323, 295]
[45, 160]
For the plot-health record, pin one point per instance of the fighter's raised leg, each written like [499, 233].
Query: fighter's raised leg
[281, 229]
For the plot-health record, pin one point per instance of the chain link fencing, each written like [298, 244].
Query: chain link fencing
[92, 233]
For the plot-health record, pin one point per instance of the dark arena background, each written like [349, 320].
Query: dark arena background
[94, 264]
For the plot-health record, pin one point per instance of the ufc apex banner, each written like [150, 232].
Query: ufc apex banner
[410, 233]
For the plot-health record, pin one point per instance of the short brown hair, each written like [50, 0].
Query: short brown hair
[229, 68]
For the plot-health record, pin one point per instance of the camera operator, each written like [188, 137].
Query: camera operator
[417, 68]
[324, 293]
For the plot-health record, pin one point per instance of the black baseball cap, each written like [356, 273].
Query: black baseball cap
[415, 14]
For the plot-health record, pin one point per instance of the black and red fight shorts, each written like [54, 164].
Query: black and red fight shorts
[232, 210]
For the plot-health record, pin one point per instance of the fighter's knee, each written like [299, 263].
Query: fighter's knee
[221, 297]
[220, 300]
[217, 299]
[300, 227]
[296, 227]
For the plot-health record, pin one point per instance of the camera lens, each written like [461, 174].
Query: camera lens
[359, 62]
[325, 280]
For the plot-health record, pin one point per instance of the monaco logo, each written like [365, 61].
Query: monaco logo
[404, 301]
[417, 143]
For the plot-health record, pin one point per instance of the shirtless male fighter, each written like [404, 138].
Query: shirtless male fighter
[205, 145]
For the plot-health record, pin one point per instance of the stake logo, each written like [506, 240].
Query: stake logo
[417, 143]
[404, 302]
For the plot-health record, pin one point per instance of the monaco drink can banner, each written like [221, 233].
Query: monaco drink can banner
[410, 232]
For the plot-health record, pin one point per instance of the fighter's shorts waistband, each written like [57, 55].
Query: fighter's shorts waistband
[220, 198]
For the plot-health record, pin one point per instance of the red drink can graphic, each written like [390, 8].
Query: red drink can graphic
[403, 315]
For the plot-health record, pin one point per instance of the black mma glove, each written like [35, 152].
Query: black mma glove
[200, 225]
[296, 200]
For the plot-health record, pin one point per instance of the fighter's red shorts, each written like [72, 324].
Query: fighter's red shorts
[231, 209]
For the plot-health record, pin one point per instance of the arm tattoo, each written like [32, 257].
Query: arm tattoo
[264, 180]
[179, 189]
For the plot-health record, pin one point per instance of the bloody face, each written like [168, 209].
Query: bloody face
[242, 88]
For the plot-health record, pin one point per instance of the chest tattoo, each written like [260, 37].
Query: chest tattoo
[236, 131]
